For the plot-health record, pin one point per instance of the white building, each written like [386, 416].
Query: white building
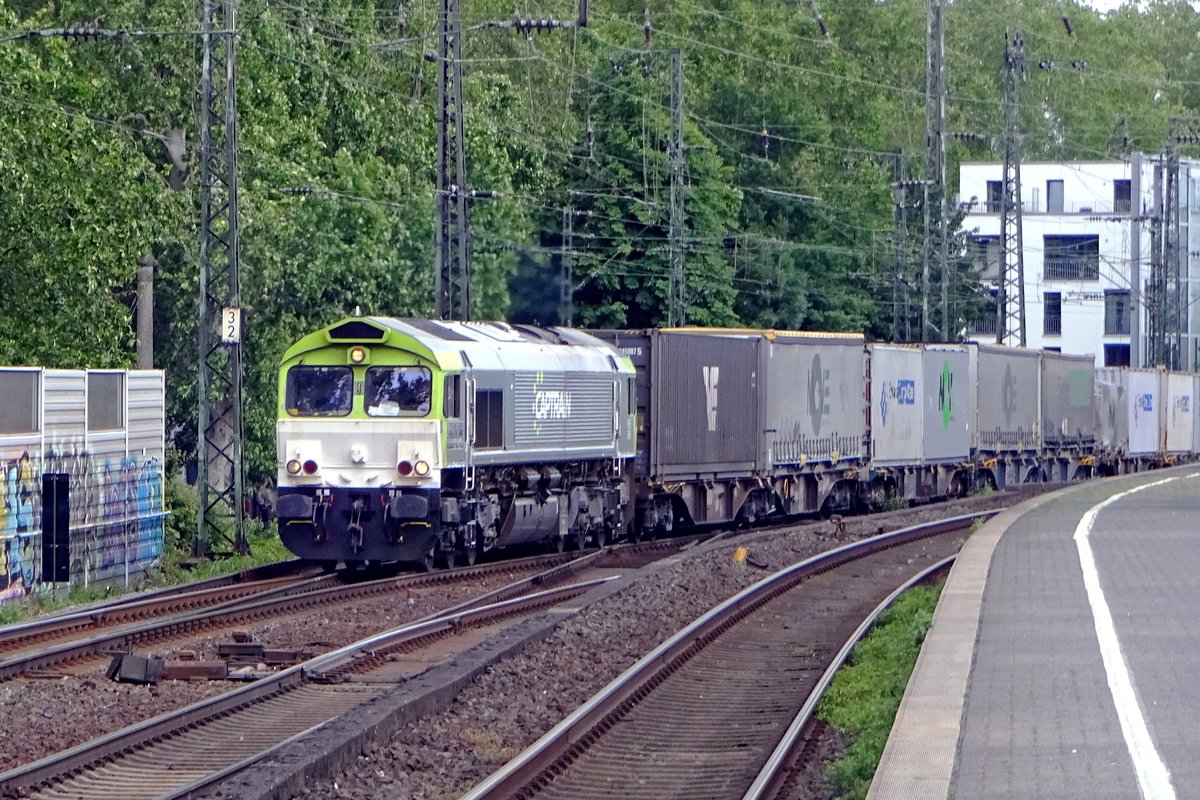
[1087, 245]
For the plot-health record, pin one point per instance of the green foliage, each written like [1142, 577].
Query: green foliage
[864, 696]
[791, 146]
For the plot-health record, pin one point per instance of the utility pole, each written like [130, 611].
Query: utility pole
[1156, 292]
[451, 227]
[935, 168]
[677, 305]
[901, 245]
[451, 248]
[1135, 260]
[566, 281]
[1172, 300]
[219, 450]
[1010, 305]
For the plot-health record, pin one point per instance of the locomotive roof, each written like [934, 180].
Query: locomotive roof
[485, 345]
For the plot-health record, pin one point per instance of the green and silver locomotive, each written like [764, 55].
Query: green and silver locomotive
[411, 440]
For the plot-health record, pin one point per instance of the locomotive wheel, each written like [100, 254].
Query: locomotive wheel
[464, 557]
[328, 566]
[603, 536]
[428, 562]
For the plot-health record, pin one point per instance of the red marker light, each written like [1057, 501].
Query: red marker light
[310, 467]
[405, 468]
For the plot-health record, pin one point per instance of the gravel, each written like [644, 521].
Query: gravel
[520, 698]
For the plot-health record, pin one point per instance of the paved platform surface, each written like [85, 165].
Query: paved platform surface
[1064, 657]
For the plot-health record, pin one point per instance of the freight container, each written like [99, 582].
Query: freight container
[1195, 414]
[1178, 402]
[814, 393]
[945, 405]
[897, 399]
[1067, 394]
[1007, 400]
[706, 397]
[1133, 413]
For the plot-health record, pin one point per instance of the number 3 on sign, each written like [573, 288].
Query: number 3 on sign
[231, 326]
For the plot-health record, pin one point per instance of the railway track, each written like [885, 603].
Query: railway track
[702, 714]
[68, 641]
[208, 741]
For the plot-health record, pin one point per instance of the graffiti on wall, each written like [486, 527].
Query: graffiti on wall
[116, 514]
[17, 495]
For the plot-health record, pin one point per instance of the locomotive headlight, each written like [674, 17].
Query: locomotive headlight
[421, 468]
[358, 355]
[294, 467]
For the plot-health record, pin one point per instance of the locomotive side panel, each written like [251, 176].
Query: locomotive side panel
[1006, 413]
[945, 407]
[815, 399]
[1068, 388]
[705, 389]
[897, 396]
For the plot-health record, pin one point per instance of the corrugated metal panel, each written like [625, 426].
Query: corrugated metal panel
[706, 401]
[1178, 412]
[816, 399]
[1006, 412]
[64, 406]
[144, 414]
[1068, 390]
[897, 393]
[947, 413]
[556, 409]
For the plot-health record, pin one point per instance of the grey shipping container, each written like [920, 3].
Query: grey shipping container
[1006, 389]
[705, 403]
[815, 392]
[946, 407]
[1068, 389]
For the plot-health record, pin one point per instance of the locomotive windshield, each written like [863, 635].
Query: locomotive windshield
[392, 391]
[319, 391]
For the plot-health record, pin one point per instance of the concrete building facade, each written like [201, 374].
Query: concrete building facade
[1088, 234]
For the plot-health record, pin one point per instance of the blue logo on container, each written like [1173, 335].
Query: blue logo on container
[906, 392]
[1145, 402]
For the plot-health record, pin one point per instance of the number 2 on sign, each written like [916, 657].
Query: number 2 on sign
[231, 325]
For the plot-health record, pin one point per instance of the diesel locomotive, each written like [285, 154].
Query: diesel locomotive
[430, 442]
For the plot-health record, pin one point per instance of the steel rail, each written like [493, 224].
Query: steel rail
[113, 744]
[766, 784]
[240, 610]
[534, 760]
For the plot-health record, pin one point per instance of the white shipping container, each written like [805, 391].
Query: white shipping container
[1178, 404]
[1138, 411]
[897, 397]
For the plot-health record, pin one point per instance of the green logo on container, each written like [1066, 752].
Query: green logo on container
[946, 394]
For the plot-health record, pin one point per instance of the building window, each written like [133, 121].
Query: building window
[1052, 317]
[1116, 311]
[18, 402]
[1122, 197]
[1116, 355]
[106, 401]
[986, 256]
[1054, 197]
[995, 196]
[1072, 258]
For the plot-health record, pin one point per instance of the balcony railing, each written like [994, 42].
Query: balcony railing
[983, 326]
[1052, 325]
[1072, 269]
[1116, 324]
[1107, 208]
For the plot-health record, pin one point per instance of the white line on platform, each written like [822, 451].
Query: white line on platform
[1154, 779]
